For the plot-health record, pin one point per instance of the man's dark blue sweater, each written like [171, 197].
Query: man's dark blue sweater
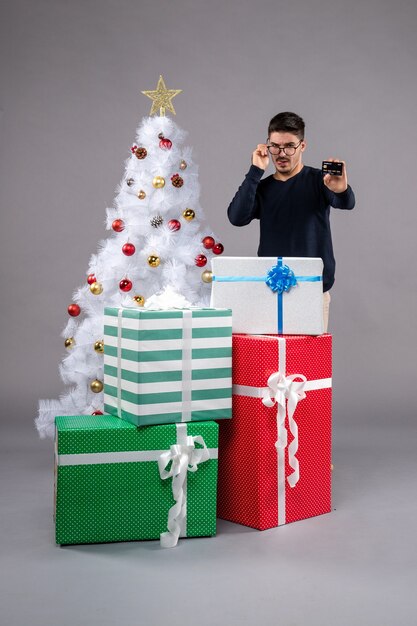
[293, 214]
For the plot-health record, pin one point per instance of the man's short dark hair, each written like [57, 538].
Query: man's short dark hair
[287, 122]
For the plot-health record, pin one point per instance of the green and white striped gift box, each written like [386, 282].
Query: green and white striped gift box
[168, 366]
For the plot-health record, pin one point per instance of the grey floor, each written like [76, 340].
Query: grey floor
[355, 566]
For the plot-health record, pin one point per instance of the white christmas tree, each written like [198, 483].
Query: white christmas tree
[158, 243]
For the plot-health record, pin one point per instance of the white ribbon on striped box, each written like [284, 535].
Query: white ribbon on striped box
[183, 456]
[286, 392]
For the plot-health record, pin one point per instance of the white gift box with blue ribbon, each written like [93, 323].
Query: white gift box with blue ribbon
[279, 295]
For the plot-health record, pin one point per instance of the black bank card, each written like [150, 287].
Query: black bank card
[334, 168]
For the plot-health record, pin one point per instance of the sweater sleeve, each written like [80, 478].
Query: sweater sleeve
[244, 206]
[344, 200]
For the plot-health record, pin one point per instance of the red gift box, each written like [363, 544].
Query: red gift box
[275, 453]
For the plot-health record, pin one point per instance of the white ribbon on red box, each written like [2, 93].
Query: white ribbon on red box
[286, 392]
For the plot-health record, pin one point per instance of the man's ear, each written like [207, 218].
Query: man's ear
[303, 145]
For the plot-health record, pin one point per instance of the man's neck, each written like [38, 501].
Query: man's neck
[285, 176]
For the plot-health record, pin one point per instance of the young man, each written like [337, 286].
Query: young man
[293, 204]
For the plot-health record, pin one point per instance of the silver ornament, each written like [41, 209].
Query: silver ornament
[157, 221]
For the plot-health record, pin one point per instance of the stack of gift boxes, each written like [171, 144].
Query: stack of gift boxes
[166, 458]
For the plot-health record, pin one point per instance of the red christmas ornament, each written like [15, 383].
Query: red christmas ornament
[218, 248]
[128, 249]
[177, 181]
[125, 284]
[165, 144]
[174, 224]
[200, 260]
[91, 279]
[74, 310]
[208, 242]
[97, 413]
[118, 225]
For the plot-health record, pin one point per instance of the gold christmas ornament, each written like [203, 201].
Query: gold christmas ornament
[183, 165]
[99, 346]
[158, 182]
[141, 195]
[96, 289]
[140, 300]
[188, 214]
[207, 276]
[154, 260]
[69, 342]
[161, 98]
[96, 386]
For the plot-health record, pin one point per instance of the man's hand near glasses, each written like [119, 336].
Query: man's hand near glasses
[260, 156]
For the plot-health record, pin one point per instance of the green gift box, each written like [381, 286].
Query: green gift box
[168, 366]
[116, 482]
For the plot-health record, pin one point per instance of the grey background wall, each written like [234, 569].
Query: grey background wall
[71, 76]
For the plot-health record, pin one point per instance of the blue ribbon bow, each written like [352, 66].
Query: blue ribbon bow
[280, 278]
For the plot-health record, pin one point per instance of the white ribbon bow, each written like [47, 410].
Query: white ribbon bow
[183, 458]
[286, 392]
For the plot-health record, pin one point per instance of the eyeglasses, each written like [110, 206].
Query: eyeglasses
[288, 149]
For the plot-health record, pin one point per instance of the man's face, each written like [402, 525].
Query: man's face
[286, 163]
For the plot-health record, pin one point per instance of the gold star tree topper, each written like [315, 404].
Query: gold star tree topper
[162, 97]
